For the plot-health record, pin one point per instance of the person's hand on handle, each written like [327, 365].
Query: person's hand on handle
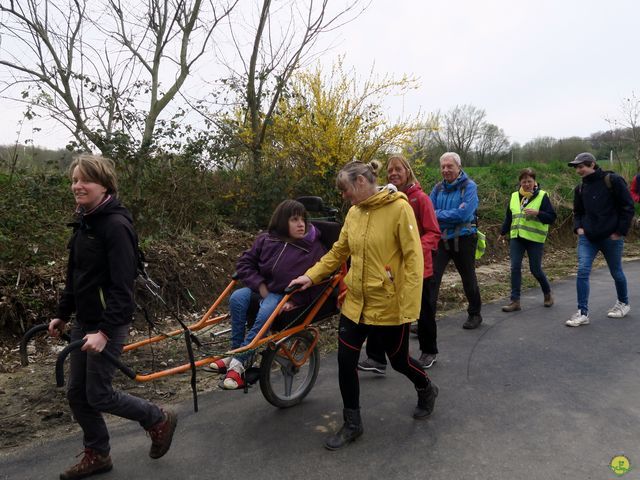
[288, 306]
[304, 282]
[95, 342]
[56, 327]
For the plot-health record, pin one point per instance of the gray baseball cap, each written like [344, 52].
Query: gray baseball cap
[581, 158]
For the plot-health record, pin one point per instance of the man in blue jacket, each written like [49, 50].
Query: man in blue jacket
[455, 201]
[602, 214]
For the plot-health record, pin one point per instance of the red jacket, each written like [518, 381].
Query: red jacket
[427, 224]
[635, 189]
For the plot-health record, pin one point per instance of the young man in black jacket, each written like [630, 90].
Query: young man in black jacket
[602, 214]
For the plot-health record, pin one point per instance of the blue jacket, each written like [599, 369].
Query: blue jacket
[456, 210]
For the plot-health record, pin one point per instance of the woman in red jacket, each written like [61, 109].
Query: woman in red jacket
[400, 174]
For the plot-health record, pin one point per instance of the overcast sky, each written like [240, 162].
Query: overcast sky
[538, 67]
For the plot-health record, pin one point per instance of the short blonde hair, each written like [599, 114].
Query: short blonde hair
[97, 169]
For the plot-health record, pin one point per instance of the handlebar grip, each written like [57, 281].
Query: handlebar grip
[62, 357]
[128, 371]
[291, 289]
[26, 338]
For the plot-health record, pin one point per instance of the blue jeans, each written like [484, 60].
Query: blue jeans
[238, 306]
[587, 251]
[517, 247]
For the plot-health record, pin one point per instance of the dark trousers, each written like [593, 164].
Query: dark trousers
[465, 261]
[427, 329]
[395, 341]
[90, 392]
[535, 250]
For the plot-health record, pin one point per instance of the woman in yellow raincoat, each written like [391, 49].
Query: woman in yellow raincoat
[384, 284]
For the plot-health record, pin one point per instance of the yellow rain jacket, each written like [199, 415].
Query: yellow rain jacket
[385, 277]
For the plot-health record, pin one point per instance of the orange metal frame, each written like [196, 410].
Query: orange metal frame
[262, 337]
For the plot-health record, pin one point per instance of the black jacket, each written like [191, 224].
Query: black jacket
[546, 214]
[601, 210]
[101, 270]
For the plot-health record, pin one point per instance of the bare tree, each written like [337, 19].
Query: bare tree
[459, 129]
[628, 125]
[279, 42]
[491, 143]
[96, 67]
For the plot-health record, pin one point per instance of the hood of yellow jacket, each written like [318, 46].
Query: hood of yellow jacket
[383, 197]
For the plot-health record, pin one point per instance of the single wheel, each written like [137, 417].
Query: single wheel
[285, 376]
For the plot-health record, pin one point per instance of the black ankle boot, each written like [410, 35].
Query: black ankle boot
[426, 401]
[351, 429]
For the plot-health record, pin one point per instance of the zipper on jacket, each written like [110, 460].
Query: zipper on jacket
[102, 300]
[279, 255]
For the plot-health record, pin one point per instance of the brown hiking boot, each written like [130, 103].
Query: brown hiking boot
[162, 433]
[514, 306]
[548, 299]
[92, 463]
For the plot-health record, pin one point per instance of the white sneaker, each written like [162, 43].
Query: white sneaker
[619, 310]
[577, 319]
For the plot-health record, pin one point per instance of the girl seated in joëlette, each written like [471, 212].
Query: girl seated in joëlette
[289, 247]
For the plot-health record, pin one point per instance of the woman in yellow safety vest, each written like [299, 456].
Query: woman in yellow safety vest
[526, 223]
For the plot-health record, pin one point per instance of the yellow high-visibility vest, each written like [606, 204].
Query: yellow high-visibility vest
[527, 227]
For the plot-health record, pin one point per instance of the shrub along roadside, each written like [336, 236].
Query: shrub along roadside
[182, 212]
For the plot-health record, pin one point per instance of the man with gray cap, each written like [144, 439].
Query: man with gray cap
[602, 214]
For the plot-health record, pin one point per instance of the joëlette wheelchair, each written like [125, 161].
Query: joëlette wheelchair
[287, 342]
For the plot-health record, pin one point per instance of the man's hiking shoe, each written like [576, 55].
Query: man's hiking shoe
[370, 365]
[92, 463]
[514, 306]
[162, 433]
[548, 299]
[577, 319]
[472, 322]
[619, 310]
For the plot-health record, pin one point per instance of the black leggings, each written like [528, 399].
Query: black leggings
[395, 340]
[427, 328]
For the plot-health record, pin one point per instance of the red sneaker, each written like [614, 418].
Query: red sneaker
[233, 381]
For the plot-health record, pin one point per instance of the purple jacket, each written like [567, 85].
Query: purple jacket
[276, 262]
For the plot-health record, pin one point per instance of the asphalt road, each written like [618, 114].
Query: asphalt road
[522, 397]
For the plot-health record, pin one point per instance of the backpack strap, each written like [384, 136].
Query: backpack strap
[607, 182]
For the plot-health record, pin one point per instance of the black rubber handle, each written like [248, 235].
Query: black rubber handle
[62, 356]
[26, 338]
[292, 289]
